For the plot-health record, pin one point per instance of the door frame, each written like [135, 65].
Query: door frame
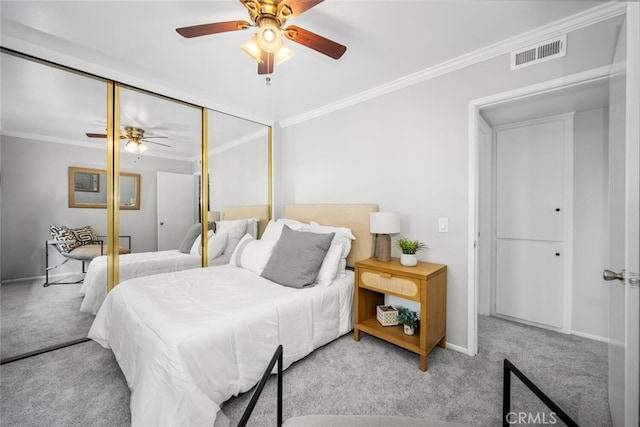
[474, 138]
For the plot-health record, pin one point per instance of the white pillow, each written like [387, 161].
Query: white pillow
[252, 227]
[216, 245]
[195, 248]
[272, 231]
[236, 252]
[330, 265]
[252, 254]
[274, 228]
[343, 236]
[294, 224]
[235, 228]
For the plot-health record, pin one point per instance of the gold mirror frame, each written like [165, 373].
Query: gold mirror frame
[101, 180]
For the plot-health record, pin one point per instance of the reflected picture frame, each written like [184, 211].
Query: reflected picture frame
[85, 190]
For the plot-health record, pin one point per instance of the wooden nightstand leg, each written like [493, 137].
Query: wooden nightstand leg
[443, 342]
[423, 363]
[356, 334]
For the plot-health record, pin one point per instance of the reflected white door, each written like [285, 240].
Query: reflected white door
[531, 208]
[176, 208]
[624, 165]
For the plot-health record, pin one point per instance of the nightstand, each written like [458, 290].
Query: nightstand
[425, 283]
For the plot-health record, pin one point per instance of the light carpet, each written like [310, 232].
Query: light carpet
[82, 385]
[34, 317]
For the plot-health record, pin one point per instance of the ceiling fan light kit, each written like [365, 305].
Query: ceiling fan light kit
[269, 35]
[252, 49]
[267, 46]
[136, 139]
[135, 147]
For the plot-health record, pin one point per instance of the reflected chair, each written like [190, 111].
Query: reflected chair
[81, 244]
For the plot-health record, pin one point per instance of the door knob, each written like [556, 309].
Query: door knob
[609, 275]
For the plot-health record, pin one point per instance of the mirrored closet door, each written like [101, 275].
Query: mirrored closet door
[46, 112]
[161, 141]
[60, 175]
[239, 164]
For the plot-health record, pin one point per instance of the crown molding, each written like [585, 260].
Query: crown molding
[571, 23]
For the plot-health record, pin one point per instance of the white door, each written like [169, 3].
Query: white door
[624, 163]
[531, 207]
[176, 208]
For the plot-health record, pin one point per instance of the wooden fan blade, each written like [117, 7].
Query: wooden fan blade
[265, 66]
[315, 41]
[104, 135]
[157, 143]
[296, 7]
[214, 28]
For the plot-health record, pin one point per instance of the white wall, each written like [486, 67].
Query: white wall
[590, 241]
[34, 196]
[407, 151]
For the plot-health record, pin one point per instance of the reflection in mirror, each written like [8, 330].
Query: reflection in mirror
[45, 113]
[85, 181]
[88, 189]
[167, 158]
[162, 170]
[238, 162]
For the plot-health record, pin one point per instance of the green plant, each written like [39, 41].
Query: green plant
[408, 246]
[407, 317]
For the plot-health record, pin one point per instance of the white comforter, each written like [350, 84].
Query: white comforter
[131, 266]
[188, 341]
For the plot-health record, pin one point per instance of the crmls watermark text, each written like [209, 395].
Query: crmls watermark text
[530, 418]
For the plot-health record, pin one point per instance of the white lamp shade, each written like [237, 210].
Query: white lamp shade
[385, 222]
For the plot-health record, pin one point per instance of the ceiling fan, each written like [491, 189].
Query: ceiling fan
[266, 46]
[136, 138]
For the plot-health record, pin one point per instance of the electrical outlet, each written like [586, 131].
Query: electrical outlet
[443, 225]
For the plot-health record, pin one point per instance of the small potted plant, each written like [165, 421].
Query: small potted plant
[409, 249]
[409, 319]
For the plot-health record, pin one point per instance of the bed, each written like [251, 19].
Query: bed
[94, 286]
[188, 341]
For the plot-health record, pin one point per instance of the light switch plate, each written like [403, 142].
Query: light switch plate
[443, 225]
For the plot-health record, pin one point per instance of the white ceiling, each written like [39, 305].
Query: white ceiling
[135, 42]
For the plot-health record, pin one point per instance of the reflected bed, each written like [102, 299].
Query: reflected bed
[94, 286]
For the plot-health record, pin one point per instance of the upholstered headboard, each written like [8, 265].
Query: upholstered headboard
[262, 212]
[355, 217]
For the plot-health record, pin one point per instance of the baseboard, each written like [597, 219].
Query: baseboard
[33, 278]
[590, 336]
[458, 349]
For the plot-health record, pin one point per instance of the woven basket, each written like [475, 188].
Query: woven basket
[387, 315]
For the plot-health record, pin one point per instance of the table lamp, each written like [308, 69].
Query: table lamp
[383, 224]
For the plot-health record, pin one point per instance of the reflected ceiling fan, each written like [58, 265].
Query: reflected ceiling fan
[136, 139]
[266, 46]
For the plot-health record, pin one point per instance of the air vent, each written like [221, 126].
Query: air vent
[541, 52]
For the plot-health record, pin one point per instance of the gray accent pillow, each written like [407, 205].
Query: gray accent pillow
[192, 234]
[297, 257]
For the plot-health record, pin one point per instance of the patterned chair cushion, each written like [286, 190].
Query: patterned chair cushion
[85, 235]
[61, 233]
[74, 237]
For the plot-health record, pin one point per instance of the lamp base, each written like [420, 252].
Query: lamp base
[383, 247]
